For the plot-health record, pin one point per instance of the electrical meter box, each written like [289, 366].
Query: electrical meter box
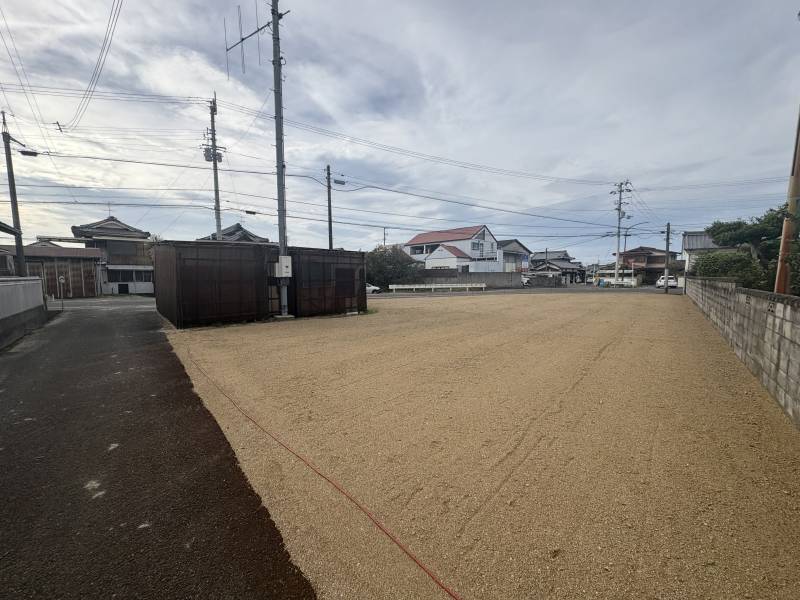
[283, 268]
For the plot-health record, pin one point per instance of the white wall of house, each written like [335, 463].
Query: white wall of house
[111, 288]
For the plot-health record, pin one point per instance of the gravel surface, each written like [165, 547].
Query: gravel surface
[522, 446]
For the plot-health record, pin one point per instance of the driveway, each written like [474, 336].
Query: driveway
[116, 481]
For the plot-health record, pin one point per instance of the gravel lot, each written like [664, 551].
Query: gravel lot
[522, 446]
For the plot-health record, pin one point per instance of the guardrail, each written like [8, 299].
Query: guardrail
[413, 287]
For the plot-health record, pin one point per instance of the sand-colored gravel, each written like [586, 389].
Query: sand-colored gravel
[522, 446]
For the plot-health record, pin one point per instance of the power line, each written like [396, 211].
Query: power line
[111, 27]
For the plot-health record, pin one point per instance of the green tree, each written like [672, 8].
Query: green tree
[389, 264]
[740, 266]
[761, 239]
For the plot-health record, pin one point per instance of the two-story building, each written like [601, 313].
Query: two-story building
[646, 262]
[467, 249]
[126, 266]
[558, 263]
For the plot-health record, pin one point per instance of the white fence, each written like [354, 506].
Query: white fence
[19, 294]
[433, 287]
[22, 307]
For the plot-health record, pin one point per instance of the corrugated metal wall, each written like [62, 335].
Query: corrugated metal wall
[201, 283]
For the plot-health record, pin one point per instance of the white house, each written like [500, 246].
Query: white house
[468, 249]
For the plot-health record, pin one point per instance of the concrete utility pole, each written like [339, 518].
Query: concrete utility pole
[280, 163]
[666, 264]
[330, 214]
[217, 216]
[783, 277]
[384, 237]
[12, 192]
[622, 187]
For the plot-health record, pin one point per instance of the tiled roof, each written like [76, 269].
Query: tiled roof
[108, 226]
[447, 235]
[457, 252]
[505, 243]
[236, 233]
[551, 254]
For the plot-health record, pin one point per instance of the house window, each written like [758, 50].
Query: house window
[120, 276]
[476, 246]
[417, 249]
[491, 246]
[144, 276]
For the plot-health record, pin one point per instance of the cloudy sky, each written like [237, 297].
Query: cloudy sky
[695, 102]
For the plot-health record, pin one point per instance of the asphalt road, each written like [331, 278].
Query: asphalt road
[116, 481]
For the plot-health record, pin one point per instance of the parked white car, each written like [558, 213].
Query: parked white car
[671, 282]
[373, 289]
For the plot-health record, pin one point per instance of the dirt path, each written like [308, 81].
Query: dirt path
[522, 446]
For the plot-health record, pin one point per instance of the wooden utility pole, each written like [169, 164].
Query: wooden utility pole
[12, 192]
[783, 277]
[330, 214]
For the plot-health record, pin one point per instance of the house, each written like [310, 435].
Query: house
[557, 263]
[538, 258]
[646, 262]
[516, 255]
[696, 243]
[48, 261]
[126, 266]
[467, 249]
[236, 233]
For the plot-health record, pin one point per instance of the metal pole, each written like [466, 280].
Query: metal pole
[384, 237]
[217, 216]
[12, 192]
[280, 165]
[619, 224]
[330, 214]
[666, 265]
[783, 277]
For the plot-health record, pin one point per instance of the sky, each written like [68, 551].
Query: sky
[544, 106]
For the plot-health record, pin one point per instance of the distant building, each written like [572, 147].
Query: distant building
[697, 243]
[516, 256]
[48, 261]
[467, 249]
[557, 263]
[236, 233]
[126, 266]
[646, 262]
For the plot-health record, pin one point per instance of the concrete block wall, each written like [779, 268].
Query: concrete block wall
[21, 307]
[762, 328]
[492, 280]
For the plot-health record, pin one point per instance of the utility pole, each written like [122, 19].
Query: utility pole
[214, 157]
[12, 192]
[330, 214]
[783, 277]
[622, 187]
[284, 266]
[280, 164]
[666, 264]
[384, 237]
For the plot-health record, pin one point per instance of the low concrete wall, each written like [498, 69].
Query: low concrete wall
[492, 280]
[21, 307]
[764, 330]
